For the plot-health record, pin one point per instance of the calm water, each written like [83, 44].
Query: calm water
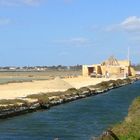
[78, 120]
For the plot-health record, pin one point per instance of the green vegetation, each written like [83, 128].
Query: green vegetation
[130, 128]
[50, 94]
[102, 85]
[12, 101]
[42, 98]
[72, 91]
[106, 84]
[84, 89]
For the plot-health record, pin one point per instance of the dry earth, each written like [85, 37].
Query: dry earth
[17, 90]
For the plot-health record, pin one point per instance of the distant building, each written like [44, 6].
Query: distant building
[110, 67]
[12, 68]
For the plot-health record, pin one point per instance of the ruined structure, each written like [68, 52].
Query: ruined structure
[110, 67]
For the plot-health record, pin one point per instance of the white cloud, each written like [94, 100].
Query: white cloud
[19, 2]
[111, 28]
[4, 21]
[130, 24]
[24, 2]
[31, 2]
[79, 42]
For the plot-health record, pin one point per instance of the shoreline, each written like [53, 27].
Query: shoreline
[34, 102]
[126, 129]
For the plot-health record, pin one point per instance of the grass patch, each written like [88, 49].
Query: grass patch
[84, 89]
[129, 129]
[12, 101]
[42, 98]
[72, 91]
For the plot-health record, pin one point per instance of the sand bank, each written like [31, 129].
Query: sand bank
[17, 90]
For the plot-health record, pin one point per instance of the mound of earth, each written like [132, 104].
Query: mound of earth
[60, 84]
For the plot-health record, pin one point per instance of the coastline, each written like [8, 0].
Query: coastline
[34, 102]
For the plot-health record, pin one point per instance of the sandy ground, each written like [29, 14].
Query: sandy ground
[49, 74]
[17, 90]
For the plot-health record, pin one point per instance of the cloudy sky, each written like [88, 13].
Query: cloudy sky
[68, 32]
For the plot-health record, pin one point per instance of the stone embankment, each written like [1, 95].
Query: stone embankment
[10, 108]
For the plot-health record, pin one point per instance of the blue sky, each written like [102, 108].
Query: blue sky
[68, 32]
